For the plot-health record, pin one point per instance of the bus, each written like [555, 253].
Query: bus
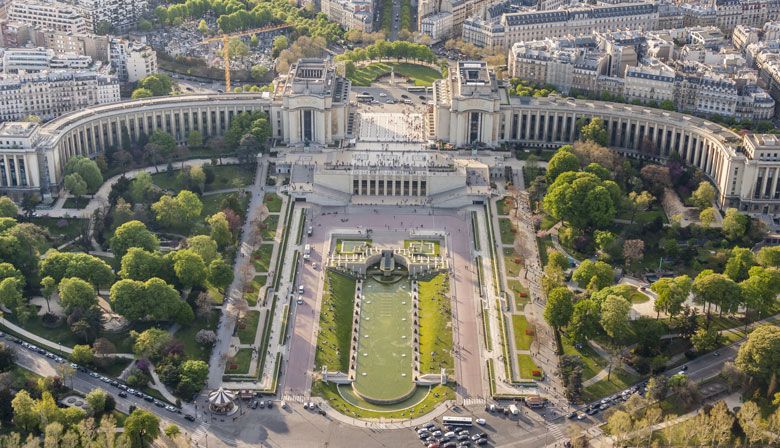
[457, 421]
[363, 98]
[417, 89]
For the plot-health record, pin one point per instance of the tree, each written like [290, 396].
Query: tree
[11, 293]
[716, 289]
[178, 211]
[559, 307]
[7, 358]
[672, 293]
[593, 275]
[205, 337]
[703, 196]
[656, 388]
[633, 251]
[759, 356]
[165, 143]
[557, 259]
[189, 267]
[769, 256]
[96, 399]
[25, 415]
[159, 84]
[639, 201]
[705, 340]
[8, 208]
[595, 131]
[220, 274]
[203, 27]
[141, 93]
[172, 431]
[195, 372]
[563, 161]
[75, 185]
[154, 299]
[138, 264]
[584, 323]
[614, 316]
[59, 265]
[739, 263]
[708, 216]
[204, 246]
[220, 229]
[237, 49]
[77, 293]
[142, 427]
[259, 72]
[194, 139]
[150, 343]
[735, 224]
[582, 199]
[132, 234]
[760, 289]
[142, 186]
[87, 169]
[83, 355]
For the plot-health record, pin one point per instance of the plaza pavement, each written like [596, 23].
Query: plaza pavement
[386, 222]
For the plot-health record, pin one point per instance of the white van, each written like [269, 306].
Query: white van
[300, 289]
[307, 252]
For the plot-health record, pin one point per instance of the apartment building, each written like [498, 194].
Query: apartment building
[351, 14]
[50, 15]
[49, 94]
[538, 25]
[132, 61]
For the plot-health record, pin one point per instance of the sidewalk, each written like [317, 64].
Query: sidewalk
[385, 424]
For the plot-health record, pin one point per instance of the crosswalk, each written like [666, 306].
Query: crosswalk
[200, 433]
[556, 432]
[474, 401]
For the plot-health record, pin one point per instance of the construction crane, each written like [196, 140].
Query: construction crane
[225, 38]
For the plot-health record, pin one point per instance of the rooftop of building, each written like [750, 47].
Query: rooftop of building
[18, 129]
[763, 141]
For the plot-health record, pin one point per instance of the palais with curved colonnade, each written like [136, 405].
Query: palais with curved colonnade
[309, 111]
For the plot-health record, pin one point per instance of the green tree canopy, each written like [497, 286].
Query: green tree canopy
[558, 310]
[615, 317]
[139, 264]
[189, 267]
[141, 93]
[159, 84]
[595, 131]
[759, 356]
[153, 299]
[739, 263]
[142, 427]
[178, 211]
[593, 275]
[582, 199]
[703, 196]
[220, 229]
[59, 265]
[205, 246]
[220, 274]
[760, 289]
[672, 293]
[8, 208]
[77, 293]
[83, 355]
[716, 289]
[561, 162]
[133, 234]
[87, 169]
[151, 343]
[585, 321]
[735, 224]
[769, 256]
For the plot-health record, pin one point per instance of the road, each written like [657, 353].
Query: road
[295, 427]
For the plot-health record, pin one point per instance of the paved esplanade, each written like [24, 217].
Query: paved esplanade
[390, 226]
[391, 127]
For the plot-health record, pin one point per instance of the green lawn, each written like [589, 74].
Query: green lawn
[61, 229]
[504, 205]
[333, 340]
[421, 74]
[211, 203]
[254, 287]
[231, 176]
[239, 364]
[329, 392]
[512, 262]
[544, 244]
[113, 368]
[247, 328]
[520, 292]
[592, 362]
[262, 257]
[225, 176]
[424, 247]
[270, 223]
[619, 380]
[186, 334]
[435, 329]
[527, 366]
[273, 202]
[519, 327]
[507, 231]
[348, 246]
[76, 203]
